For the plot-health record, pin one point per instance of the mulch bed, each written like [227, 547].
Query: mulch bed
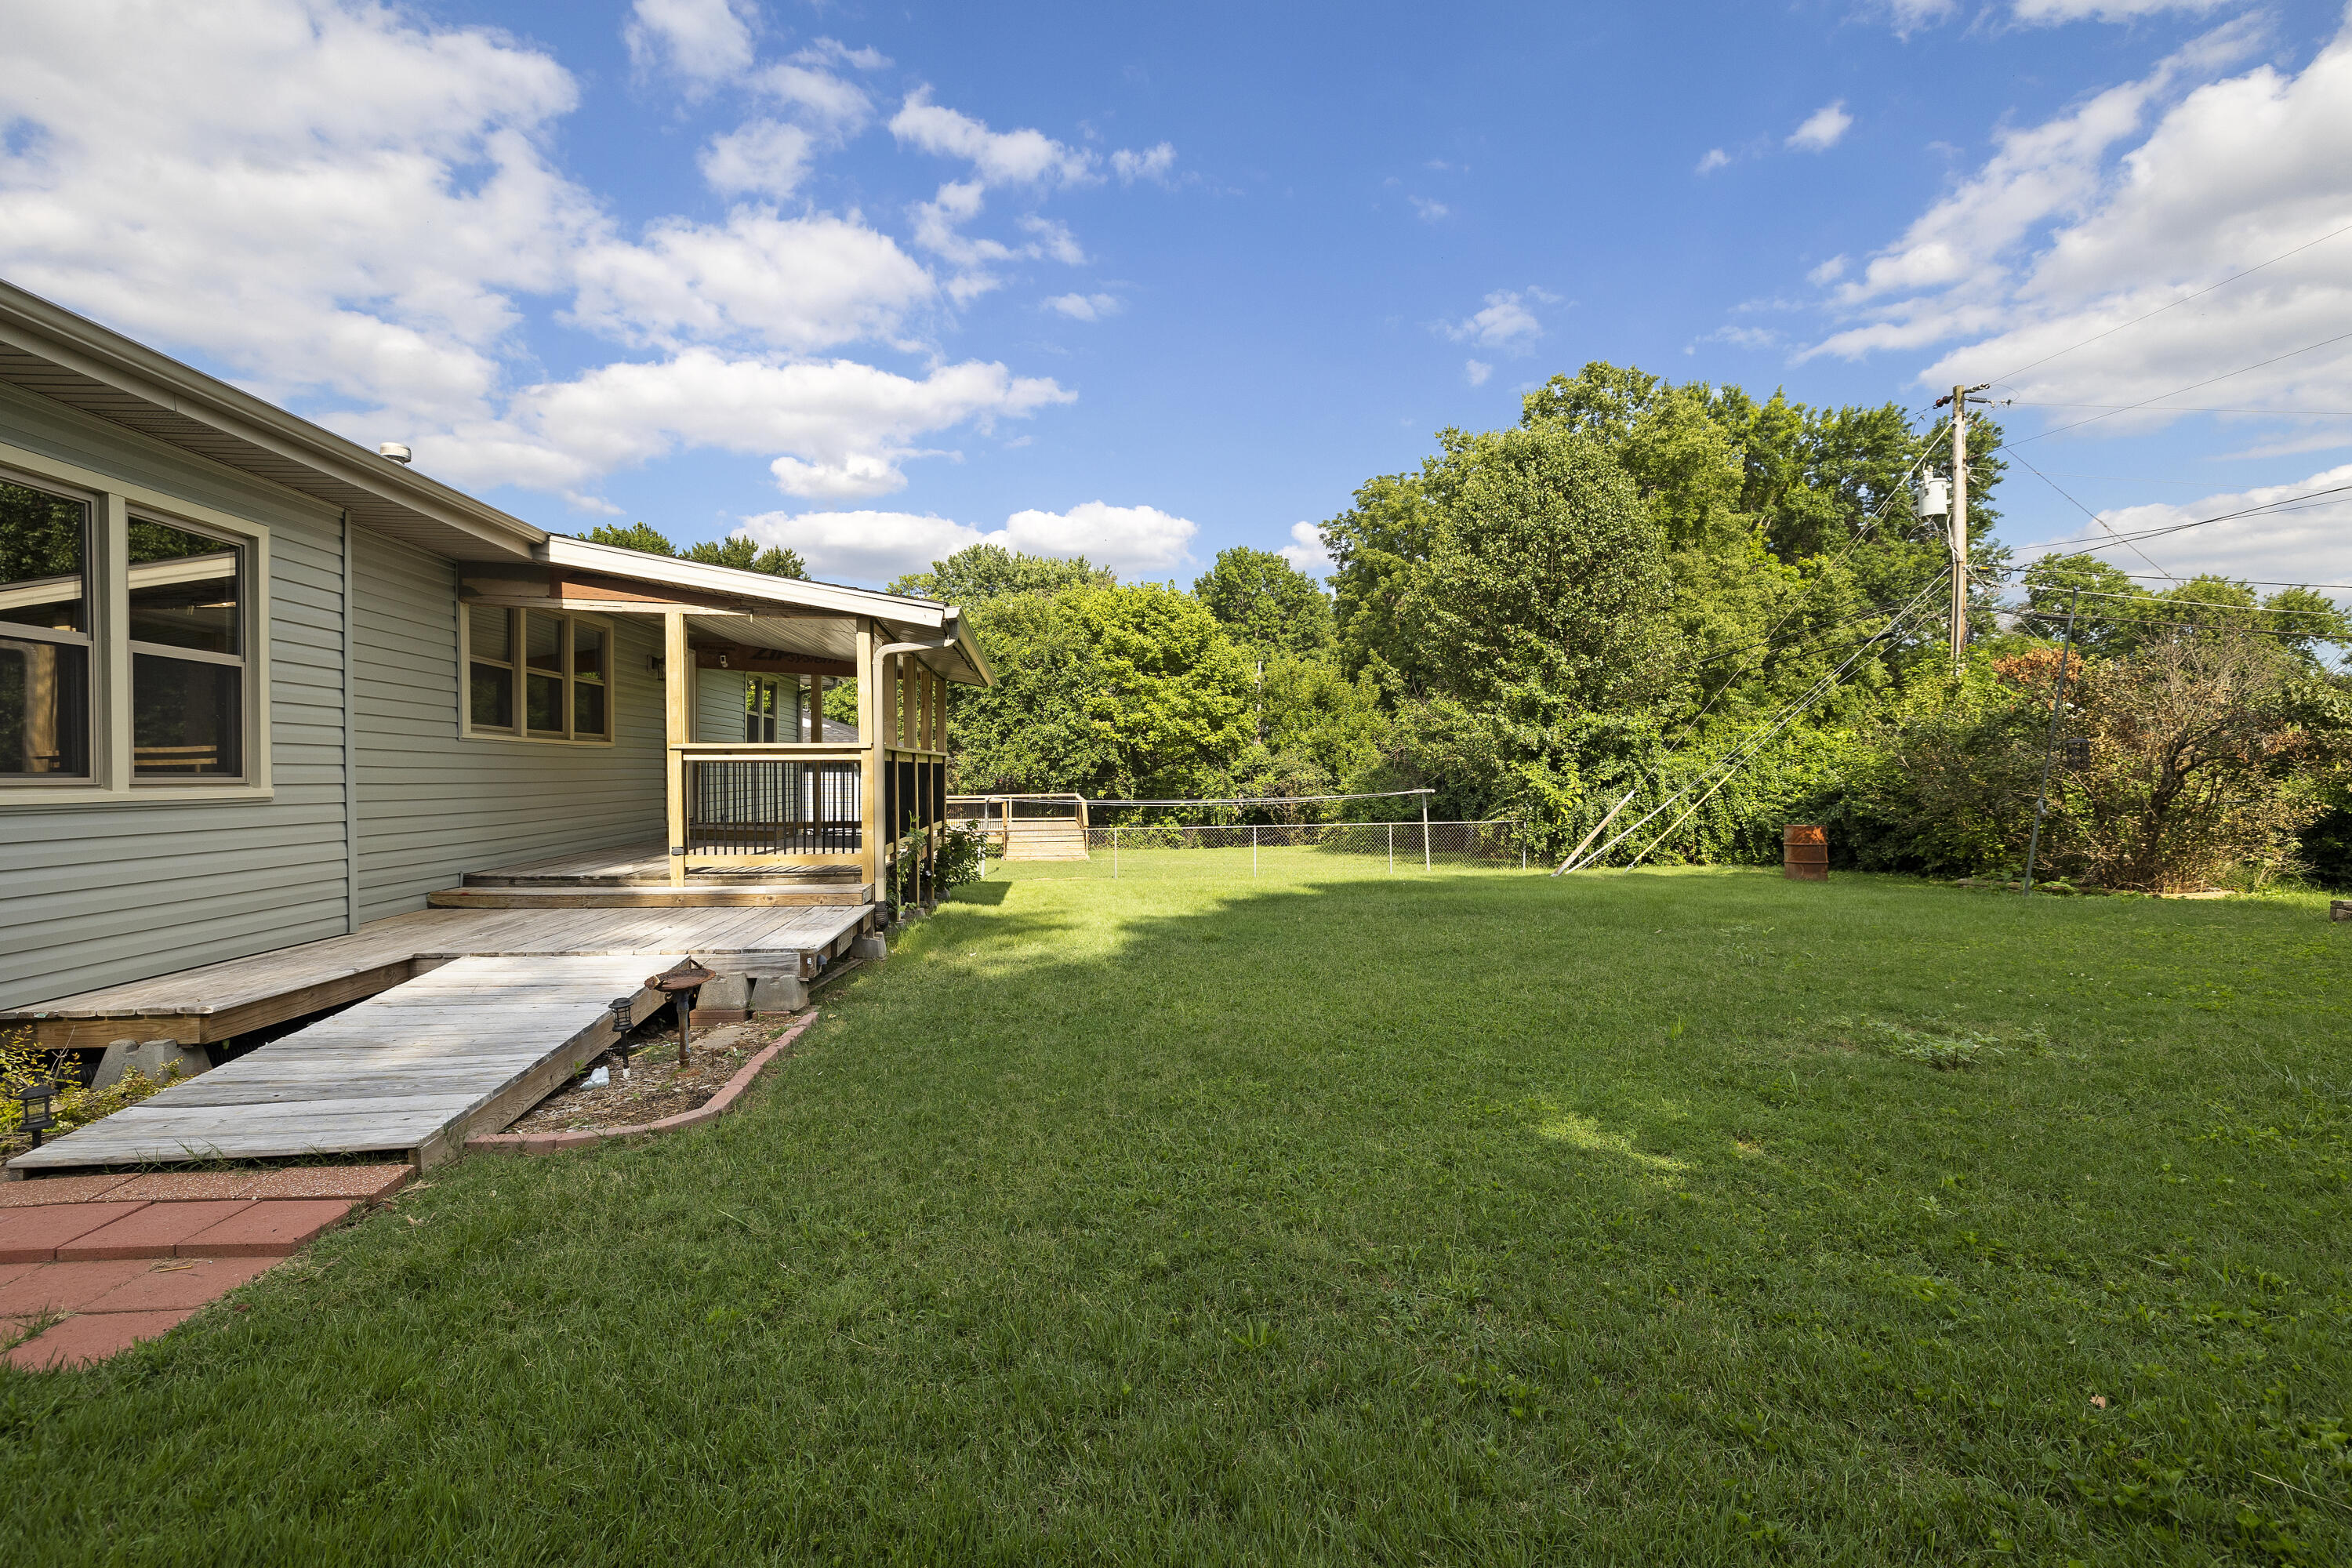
[655, 1085]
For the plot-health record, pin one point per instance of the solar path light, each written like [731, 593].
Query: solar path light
[40, 1118]
[682, 983]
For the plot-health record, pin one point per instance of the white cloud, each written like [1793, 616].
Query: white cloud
[788, 283]
[1716, 158]
[1506, 323]
[1306, 552]
[2311, 545]
[1822, 129]
[2051, 11]
[1085, 307]
[873, 546]
[1476, 372]
[758, 158]
[703, 40]
[1000, 158]
[859, 474]
[2141, 196]
[1429, 211]
[1153, 163]
[828, 103]
[1827, 273]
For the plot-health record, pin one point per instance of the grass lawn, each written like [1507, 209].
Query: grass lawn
[1317, 1217]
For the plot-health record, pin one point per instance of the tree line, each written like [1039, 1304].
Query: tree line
[1638, 577]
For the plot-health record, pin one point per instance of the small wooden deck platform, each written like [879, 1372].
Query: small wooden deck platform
[465, 1049]
[218, 1001]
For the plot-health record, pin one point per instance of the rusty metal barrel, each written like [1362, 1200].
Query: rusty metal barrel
[1805, 853]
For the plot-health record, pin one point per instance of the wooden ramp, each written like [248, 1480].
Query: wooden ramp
[465, 1049]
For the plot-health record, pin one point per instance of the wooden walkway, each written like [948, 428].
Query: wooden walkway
[465, 1049]
[218, 1001]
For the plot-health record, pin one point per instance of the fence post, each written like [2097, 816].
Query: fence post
[1424, 833]
[1523, 847]
[1114, 854]
[1252, 848]
[1391, 849]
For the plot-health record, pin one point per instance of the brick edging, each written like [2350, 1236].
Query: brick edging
[556, 1143]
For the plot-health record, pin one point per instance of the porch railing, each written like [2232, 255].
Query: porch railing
[743, 807]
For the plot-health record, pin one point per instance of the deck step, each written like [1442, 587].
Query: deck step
[705, 877]
[657, 896]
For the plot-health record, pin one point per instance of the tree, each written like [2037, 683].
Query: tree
[1115, 692]
[981, 572]
[1265, 604]
[739, 553]
[1376, 546]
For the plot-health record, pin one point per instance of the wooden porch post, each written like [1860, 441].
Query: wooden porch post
[677, 692]
[869, 772]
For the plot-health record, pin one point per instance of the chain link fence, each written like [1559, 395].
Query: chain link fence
[1280, 849]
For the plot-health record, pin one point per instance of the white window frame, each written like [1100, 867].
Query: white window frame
[113, 501]
[520, 664]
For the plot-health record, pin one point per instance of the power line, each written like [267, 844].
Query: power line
[2176, 304]
[2284, 503]
[2197, 626]
[2120, 408]
[2271, 583]
[2160, 600]
[2177, 391]
[2086, 511]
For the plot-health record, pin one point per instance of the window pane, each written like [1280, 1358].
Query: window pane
[43, 541]
[489, 633]
[184, 588]
[491, 697]
[43, 710]
[587, 652]
[587, 710]
[543, 704]
[184, 718]
[543, 641]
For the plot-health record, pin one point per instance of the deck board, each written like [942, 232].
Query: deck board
[404, 1071]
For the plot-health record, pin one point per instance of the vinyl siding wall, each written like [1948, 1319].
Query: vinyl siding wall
[433, 805]
[121, 890]
[718, 705]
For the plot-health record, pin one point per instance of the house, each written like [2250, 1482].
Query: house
[261, 687]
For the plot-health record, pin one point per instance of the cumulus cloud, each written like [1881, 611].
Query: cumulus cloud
[1506, 323]
[759, 158]
[1716, 158]
[1085, 307]
[1427, 210]
[1305, 551]
[1024, 157]
[873, 546]
[703, 40]
[1822, 129]
[789, 283]
[2137, 198]
[1476, 372]
[1908, 16]
[352, 209]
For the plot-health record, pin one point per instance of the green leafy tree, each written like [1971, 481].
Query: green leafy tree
[1116, 692]
[636, 536]
[1376, 546]
[739, 553]
[1265, 604]
[981, 572]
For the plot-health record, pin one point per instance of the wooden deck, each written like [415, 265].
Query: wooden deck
[638, 878]
[218, 1001]
[465, 1049]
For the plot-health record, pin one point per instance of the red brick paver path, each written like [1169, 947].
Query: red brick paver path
[118, 1259]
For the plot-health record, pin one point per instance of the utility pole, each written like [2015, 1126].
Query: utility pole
[1959, 521]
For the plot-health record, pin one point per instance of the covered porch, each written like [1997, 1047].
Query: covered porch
[766, 800]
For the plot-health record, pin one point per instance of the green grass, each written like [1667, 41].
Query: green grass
[1660, 1218]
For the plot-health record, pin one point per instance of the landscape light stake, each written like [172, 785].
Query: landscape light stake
[682, 983]
[2057, 703]
[37, 1122]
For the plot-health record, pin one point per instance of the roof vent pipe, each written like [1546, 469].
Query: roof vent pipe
[395, 451]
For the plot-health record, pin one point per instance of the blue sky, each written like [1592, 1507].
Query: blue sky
[878, 282]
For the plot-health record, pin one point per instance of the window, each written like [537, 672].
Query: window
[762, 701]
[188, 653]
[537, 674]
[45, 635]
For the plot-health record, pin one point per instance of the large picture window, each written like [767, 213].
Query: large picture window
[45, 635]
[537, 674]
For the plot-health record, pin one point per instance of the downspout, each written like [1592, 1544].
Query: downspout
[350, 732]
